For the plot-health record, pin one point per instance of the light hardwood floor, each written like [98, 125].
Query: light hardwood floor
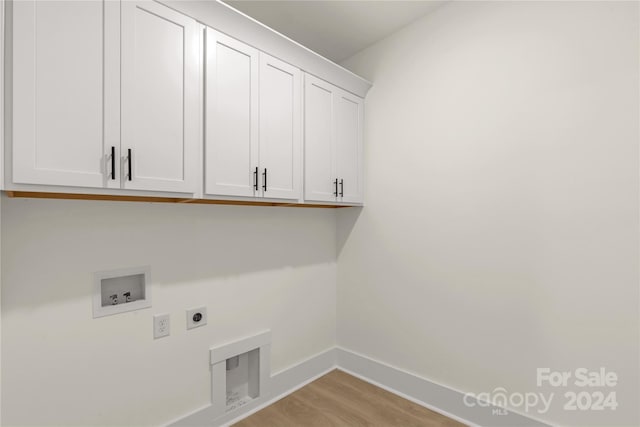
[339, 399]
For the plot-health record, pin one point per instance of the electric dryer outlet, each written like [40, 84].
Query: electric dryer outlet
[196, 317]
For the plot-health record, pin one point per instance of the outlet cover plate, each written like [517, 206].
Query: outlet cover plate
[192, 316]
[161, 325]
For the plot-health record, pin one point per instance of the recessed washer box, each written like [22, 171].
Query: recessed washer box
[119, 291]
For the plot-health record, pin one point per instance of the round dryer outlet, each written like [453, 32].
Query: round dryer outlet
[196, 317]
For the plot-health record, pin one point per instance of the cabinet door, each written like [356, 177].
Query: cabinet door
[160, 98]
[319, 144]
[231, 118]
[280, 128]
[58, 98]
[349, 116]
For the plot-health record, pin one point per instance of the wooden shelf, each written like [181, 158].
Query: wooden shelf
[149, 199]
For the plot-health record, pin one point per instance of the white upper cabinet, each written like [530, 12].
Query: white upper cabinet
[160, 98]
[253, 129]
[231, 118]
[116, 95]
[333, 143]
[319, 146]
[96, 80]
[280, 128]
[349, 116]
[58, 98]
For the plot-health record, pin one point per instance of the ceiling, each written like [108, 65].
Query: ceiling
[335, 29]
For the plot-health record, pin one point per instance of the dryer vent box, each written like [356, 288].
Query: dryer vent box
[240, 372]
[119, 291]
[243, 379]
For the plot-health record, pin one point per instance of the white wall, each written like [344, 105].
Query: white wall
[501, 228]
[254, 269]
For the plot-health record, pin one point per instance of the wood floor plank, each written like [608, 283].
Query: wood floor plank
[385, 398]
[335, 409]
[269, 417]
[384, 407]
[338, 400]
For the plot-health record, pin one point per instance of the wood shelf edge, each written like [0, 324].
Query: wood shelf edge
[151, 199]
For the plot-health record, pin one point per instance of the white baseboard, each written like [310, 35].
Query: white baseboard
[436, 397]
[431, 395]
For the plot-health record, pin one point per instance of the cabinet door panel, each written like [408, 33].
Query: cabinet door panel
[231, 122]
[160, 102]
[349, 114]
[319, 147]
[280, 127]
[58, 92]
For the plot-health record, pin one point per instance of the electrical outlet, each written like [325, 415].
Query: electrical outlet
[196, 317]
[161, 325]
